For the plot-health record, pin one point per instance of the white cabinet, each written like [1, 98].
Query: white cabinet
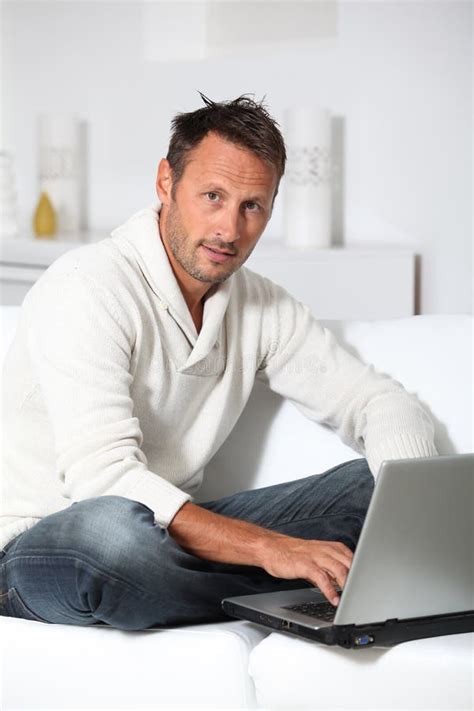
[337, 283]
[343, 282]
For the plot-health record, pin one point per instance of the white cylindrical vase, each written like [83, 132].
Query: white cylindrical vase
[59, 169]
[9, 222]
[307, 195]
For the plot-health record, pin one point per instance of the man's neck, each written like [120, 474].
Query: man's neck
[194, 292]
[197, 315]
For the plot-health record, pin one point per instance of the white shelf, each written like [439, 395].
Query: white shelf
[43, 251]
[278, 250]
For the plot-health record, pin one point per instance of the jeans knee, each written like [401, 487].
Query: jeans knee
[363, 481]
[361, 469]
[358, 469]
[106, 530]
[353, 483]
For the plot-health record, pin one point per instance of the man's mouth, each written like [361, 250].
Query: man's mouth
[217, 255]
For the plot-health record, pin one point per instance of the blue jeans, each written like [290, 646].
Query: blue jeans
[104, 561]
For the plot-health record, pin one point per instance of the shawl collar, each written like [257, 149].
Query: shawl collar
[141, 231]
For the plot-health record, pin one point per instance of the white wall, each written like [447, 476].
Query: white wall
[396, 75]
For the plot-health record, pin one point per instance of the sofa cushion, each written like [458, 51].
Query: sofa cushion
[433, 673]
[65, 666]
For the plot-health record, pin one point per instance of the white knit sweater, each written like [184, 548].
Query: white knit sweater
[109, 389]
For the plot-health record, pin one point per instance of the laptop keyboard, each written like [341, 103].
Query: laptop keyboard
[321, 610]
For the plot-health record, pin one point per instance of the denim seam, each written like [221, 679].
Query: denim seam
[311, 518]
[77, 559]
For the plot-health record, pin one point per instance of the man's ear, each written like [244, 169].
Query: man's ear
[164, 181]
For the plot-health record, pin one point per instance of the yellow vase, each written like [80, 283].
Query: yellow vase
[44, 221]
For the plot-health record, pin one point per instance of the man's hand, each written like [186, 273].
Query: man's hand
[322, 563]
[215, 537]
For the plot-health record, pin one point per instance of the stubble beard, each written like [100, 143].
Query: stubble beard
[187, 254]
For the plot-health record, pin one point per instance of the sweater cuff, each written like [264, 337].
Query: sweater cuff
[160, 496]
[400, 446]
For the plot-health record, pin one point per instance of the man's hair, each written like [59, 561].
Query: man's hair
[241, 121]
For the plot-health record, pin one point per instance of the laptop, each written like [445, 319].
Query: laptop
[412, 573]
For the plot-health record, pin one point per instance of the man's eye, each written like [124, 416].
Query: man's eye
[255, 208]
[211, 196]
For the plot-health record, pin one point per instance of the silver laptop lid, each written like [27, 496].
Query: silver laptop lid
[415, 552]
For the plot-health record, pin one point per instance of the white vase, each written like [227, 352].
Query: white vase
[8, 197]
[59, 168]
[307, 194]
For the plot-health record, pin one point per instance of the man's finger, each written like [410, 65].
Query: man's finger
[337, 574]
[341, 556]
[323, 582]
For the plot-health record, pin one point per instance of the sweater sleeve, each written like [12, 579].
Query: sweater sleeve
[80, 342]
[370, 411]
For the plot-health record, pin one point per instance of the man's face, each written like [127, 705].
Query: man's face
[223, 203]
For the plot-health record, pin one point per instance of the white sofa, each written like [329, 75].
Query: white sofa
[238, 664]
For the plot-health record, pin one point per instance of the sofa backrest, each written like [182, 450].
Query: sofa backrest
[431, 356]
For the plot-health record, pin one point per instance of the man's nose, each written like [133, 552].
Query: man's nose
[227, 226]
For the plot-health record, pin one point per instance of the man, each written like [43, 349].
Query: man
[133, 360]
